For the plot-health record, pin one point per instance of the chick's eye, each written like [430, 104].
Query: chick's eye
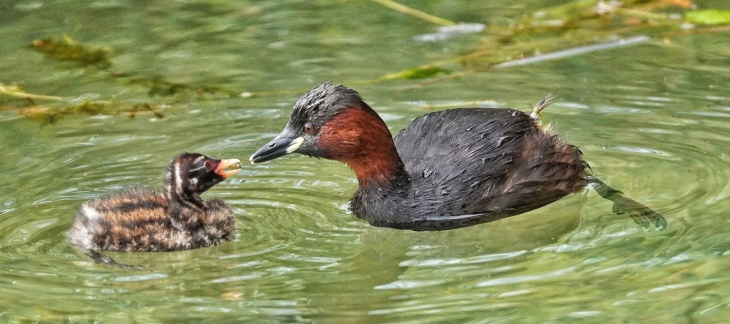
[209, 165]
[308, 128]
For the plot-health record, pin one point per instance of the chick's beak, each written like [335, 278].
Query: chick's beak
[278, 147]
[227, 168]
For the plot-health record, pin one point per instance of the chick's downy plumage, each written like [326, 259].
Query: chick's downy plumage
[141, 219]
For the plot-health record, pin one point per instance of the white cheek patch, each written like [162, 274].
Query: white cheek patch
[295, 144]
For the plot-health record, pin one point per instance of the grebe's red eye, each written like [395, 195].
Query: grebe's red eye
[209, 165]
[308, 128]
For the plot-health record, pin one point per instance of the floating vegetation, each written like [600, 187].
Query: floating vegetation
[573, 28]
[570, 29]
[60, 107]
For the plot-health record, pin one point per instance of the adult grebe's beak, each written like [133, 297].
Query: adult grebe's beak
[278, 147]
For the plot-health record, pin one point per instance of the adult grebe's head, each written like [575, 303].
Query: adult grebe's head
[333, 122]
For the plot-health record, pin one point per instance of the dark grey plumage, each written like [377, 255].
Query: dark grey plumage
[472, 161]
[447, 169]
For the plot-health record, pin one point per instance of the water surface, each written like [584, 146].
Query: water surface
[650, 119]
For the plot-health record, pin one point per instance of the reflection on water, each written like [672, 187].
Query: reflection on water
[648, 126]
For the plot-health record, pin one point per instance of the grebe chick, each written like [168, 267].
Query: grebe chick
[447, 169]
[139, 219]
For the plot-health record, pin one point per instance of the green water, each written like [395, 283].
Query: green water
[651, 119]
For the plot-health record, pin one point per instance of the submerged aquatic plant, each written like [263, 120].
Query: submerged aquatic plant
[558, 32]
[67, 49]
